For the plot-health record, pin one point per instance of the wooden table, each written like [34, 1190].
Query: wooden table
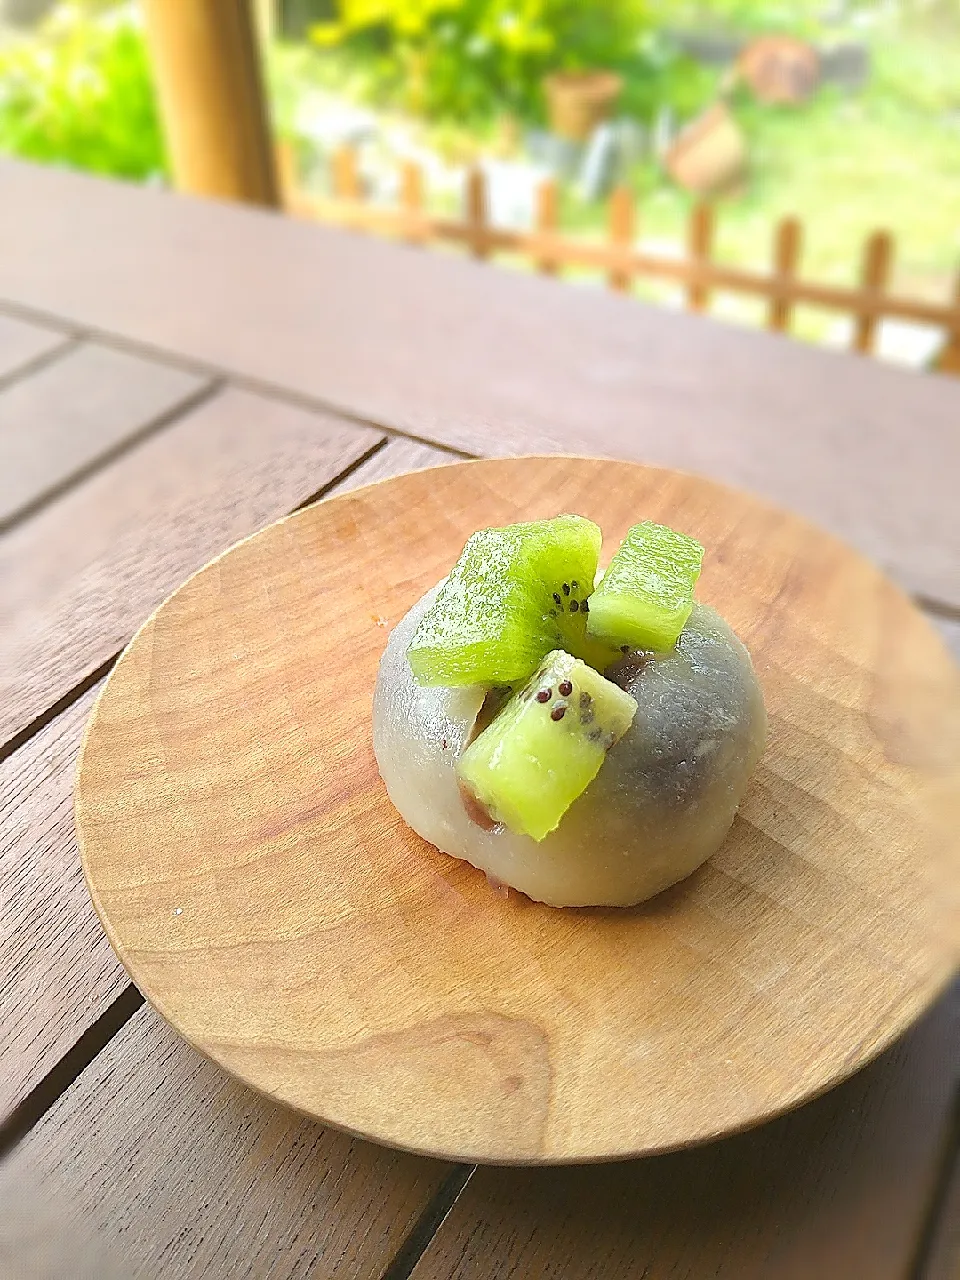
[174, 375]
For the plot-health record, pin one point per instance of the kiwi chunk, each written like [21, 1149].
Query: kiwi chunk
[546, 746]
[646, 594]
[514, 594]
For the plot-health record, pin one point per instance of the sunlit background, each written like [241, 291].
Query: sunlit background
[864, 134]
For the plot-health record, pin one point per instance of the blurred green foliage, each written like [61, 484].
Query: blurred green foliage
[920, 75]
[468, 60]
[798, 17]
[79, 92]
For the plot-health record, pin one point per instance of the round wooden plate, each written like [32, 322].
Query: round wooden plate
[270, 903]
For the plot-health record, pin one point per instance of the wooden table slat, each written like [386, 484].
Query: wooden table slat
[836, 1190]
[22, 344]
[55, 988]
[493, 362]
[60, 420]
[155, 1163]
[396, 456]
[83, 574]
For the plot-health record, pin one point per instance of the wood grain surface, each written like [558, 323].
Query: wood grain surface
[837, 1190]
[57, 972]
[80, 576]
[22, 344]
[57, 422]
[270, 903]
[156, 1164]
[52, 990]
[494, 362]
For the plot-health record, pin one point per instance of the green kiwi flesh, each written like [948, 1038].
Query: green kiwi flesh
[515, 594]
[546, 745]
[646, 594]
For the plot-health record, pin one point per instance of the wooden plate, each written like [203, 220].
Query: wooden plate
[269, 902]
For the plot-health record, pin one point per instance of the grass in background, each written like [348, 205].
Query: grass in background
[846, 164]
[80, 93]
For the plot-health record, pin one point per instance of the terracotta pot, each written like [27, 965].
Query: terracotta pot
[710, 154]
[577, 101]
[780, 69]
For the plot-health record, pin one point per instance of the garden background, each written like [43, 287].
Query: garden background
[450, 83]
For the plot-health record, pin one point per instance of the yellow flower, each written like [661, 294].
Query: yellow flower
[327, 34]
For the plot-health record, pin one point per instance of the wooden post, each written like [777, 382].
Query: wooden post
[621, 229]
[874, 274]
[411, 200]
[786, 255]
[699, 245]
[546, 225]
[288, 177]
[477, 212]
[948, 361]
[346, 174]
[206, 66]
[265, 12]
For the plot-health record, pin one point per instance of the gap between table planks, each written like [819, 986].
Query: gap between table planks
[156, 1163]
[836, 1190]
[57, 973]
[491, 362]
[68, 976]
[83, 574]
[77, 411]
[26, 347]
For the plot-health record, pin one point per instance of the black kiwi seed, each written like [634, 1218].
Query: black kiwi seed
[544, 695]
[565, 688]
[566, 588]
[574, 606]
[624, 648]
[575, 584]
[557, 600]
[585, 607]
[585, 699]
[596, 735]
[558, 712]
[552, 613]
[586, 716]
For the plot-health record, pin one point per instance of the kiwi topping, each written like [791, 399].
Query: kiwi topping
[540, 752]
[515, 594]
[519, 614]
[646, 594]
